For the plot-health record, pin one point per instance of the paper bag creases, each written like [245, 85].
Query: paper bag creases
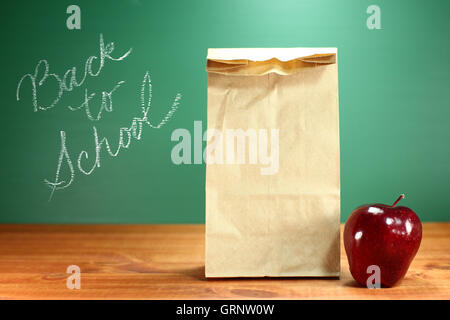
[286, 222]
[230, 61]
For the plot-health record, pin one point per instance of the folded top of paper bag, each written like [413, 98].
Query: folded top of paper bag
[260, 61]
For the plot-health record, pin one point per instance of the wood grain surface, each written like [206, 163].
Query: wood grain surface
[167, 262]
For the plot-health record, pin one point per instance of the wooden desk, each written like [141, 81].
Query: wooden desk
[167, 262]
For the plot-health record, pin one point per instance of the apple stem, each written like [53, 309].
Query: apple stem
[398, 199]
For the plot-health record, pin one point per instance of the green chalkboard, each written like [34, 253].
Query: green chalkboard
[393, 89]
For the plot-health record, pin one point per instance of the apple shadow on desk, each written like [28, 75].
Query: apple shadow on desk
[353, 284]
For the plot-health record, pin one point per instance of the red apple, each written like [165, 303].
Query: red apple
[384, 236]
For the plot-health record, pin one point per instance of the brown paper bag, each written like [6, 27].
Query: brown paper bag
[272, 204]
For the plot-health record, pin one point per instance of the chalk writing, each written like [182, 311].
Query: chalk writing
[69, 81]
[106, 105]
[126, 134]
